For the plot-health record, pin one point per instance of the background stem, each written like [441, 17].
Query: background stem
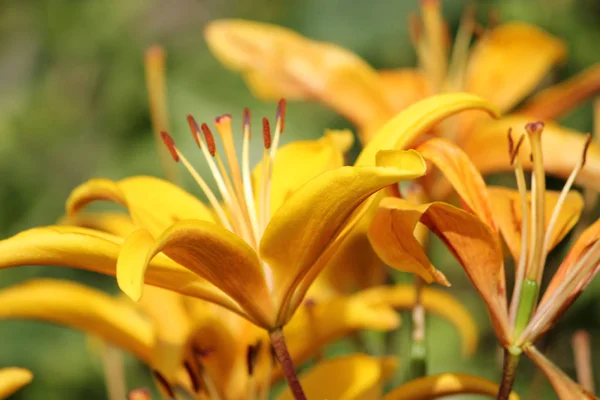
[287, 365]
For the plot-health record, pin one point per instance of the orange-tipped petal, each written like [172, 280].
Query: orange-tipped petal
[212, 252]
[277, 62]
[474, 245]
[404, 87]
[562, 149]
[153, 203]
[508, 213]
[557, 100]
[436, 386]
[565, 387]
[462, 175]
[509, 62]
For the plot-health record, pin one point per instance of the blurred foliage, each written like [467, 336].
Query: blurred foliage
[73, 106]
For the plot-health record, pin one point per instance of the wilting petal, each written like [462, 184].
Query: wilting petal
[310, 220]
[13, 379]
[212, 252]
[462, 175]
[554, 102]
[509, 62]
[435, 301]
[508, 213]
[79, 307]
[97, 251]
[564, 386]
[355, 377]
[408, 125]
[290, 169]
[116, 223]
[562, 150]
[154, 204]
[403, 87]
[392, 236]
[432, 387]
[473, 244]
[277, 62]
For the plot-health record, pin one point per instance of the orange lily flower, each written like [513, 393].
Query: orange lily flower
[530, 223]
[505, 65]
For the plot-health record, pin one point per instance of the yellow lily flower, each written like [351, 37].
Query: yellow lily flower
[531, 224]
[506, 64]
[13, 379]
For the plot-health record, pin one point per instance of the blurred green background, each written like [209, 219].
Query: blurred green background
[73, 106]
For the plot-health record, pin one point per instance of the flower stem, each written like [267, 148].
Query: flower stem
[418, 352]
[509, 372]
[287, 365]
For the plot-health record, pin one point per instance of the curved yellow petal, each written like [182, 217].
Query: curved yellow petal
[432, 387]
[507, 208]
[278, 62]
[13, 379]
[354, 377]
[291, 171]
[462, 175]
[402, 130]
[309, 221]
[435, 301]
[565, 387]
[97, 251]
[153, 203]
[392, 236]
[474, 245]
[508, 63]
[212, 252]
[79, 307]
[562, 149]
[116, 223]
[554, 102]
[404, 86]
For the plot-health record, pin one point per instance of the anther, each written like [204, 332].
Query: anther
[586, 146]
[170, 145]
[210, 139]
[246, 124]
[511, 142]
[266, 133]
[281, 114]
[515, 152]
[534, 127]
[164, 384]
[252, 356]
[192, 375]
[194, 129]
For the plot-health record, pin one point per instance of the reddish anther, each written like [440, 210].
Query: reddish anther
[588, 141]
[170, 145]
[194, 128]
[281, 114]
[266, 133]
[246, 117]
[210, 139]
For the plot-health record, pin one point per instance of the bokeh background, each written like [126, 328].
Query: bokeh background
[73, 106]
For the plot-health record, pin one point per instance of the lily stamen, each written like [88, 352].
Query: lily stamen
[266, 176]
[210, 196]
[246, 176]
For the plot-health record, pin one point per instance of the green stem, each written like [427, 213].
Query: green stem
[509, 372]
[287, 365]
[529, 293]
[418, 351]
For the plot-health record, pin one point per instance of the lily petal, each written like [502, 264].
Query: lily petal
[310, 220]
[392, 236]
[355, 377]
[79, 307]
[153, 203]
[111, 222]
[208, 250]
[13, 379]
[291, 171]
[562, 150]
[404, 86]
[462, 175]
[508, 212]
[554, 102]
[408, 125]
[509, 62]
[96, 251]
[431, 387]
[565, 387]
[278, 62]
[473, 244]
[435, 301]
